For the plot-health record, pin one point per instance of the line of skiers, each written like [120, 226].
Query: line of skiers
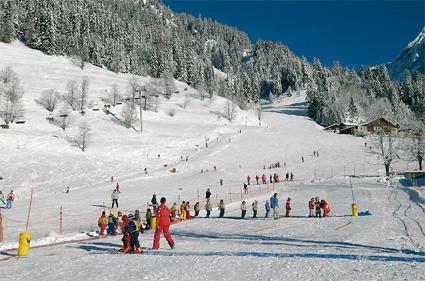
[317, 208]
[130, 226]
[9, 199]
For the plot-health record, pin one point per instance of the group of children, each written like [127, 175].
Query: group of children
[315, 206]
[131, 225]
[9, 199]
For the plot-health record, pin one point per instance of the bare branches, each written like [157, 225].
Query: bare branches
[49, 99]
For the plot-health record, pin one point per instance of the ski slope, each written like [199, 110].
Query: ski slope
[389, 245]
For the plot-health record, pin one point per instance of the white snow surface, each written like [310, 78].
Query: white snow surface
[388, 245]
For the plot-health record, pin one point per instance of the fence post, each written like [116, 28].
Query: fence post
[60, 221]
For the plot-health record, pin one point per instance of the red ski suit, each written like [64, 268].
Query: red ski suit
[162, 225]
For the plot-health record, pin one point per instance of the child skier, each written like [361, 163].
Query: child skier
[197, 209]
[112, 222]
[126, 235]
[173, 211]
[133, 230]
[243, 209]
[325, 206]
[264, 179]
[288, 207]
[183, 211]
[254, 208]
[274, 204]
[163, 225]
[102, 224]
[267, 205]
[208, 208]
[188, 210]
[317, 206]
[117, 188]
[114, 197]
[221, 208]
[10, 199]
[119, 223]
[148, 219]
[311, 208]
[208, 193]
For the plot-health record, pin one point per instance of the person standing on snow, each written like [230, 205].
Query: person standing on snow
[264, 179]
[248, 179]
[271, 179]
[325, 206]
[102, 224]
[126, 236]
[257, 178]
[148, 219]
[133, 230]
[311, 208]
[221, 182]
[173, 211]
[187, 210]
[112, 223]
[208, 208]
[288, 207]
[10, 199]
[274, 204]
[208, 194]
[154, 203]
[267, 205]
[221, 208]
[114, 197]
[117, 188]
[163, 225]
[255, 208]
[317, 207]
[119, 223]
[243, 209]
[197, 209]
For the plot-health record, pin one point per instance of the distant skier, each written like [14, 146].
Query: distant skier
[288, 207]
[302, 159]
[10, 199]
[154, 203]
[287, 176]
[311, 207]
[102, 224]
[163, 225]
[183, 211]
[112, 223]
[187, 206]
[221, 208]
[114, 197]
[274, 204]
[208, 208]
[173, 211]
[317, 207]
[267, 206]
[221, 182]
[271, 179]
[208, 193]
[292, 177]
[245, 188]
[325, 206]
[243, 209]
[67, 189]
[117, 188]
[248, 179]
[257, 178]
[264, 179]
[254, 208]
[197, 209]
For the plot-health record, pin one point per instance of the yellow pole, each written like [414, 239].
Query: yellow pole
[24, 244]
[354, 210]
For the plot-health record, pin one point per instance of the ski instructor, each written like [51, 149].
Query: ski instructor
[163, 225]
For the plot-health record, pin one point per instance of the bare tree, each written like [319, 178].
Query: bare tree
[71, 94]
[10, 96]
[387, 146]
[49, 99]
[83, 136]
[115, 94]
[84, 94]
[133, 87]
[416, 145]
[129, 114]
[169, 86]
[63, 120]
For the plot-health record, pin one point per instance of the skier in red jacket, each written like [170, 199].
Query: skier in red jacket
[162, 225]
[288, 207]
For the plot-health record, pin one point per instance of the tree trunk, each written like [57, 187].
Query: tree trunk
[387, 170]
[420, 164]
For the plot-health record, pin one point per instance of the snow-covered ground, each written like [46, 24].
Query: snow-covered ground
[389, 245]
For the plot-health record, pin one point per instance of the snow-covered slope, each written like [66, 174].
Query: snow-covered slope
[412, 58]
[389, 245]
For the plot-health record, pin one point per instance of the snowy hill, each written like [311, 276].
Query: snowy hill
[389, 245]
[412, 58]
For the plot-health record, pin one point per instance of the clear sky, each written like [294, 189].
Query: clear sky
[354, 32]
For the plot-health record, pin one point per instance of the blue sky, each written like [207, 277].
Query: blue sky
[354, 32]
